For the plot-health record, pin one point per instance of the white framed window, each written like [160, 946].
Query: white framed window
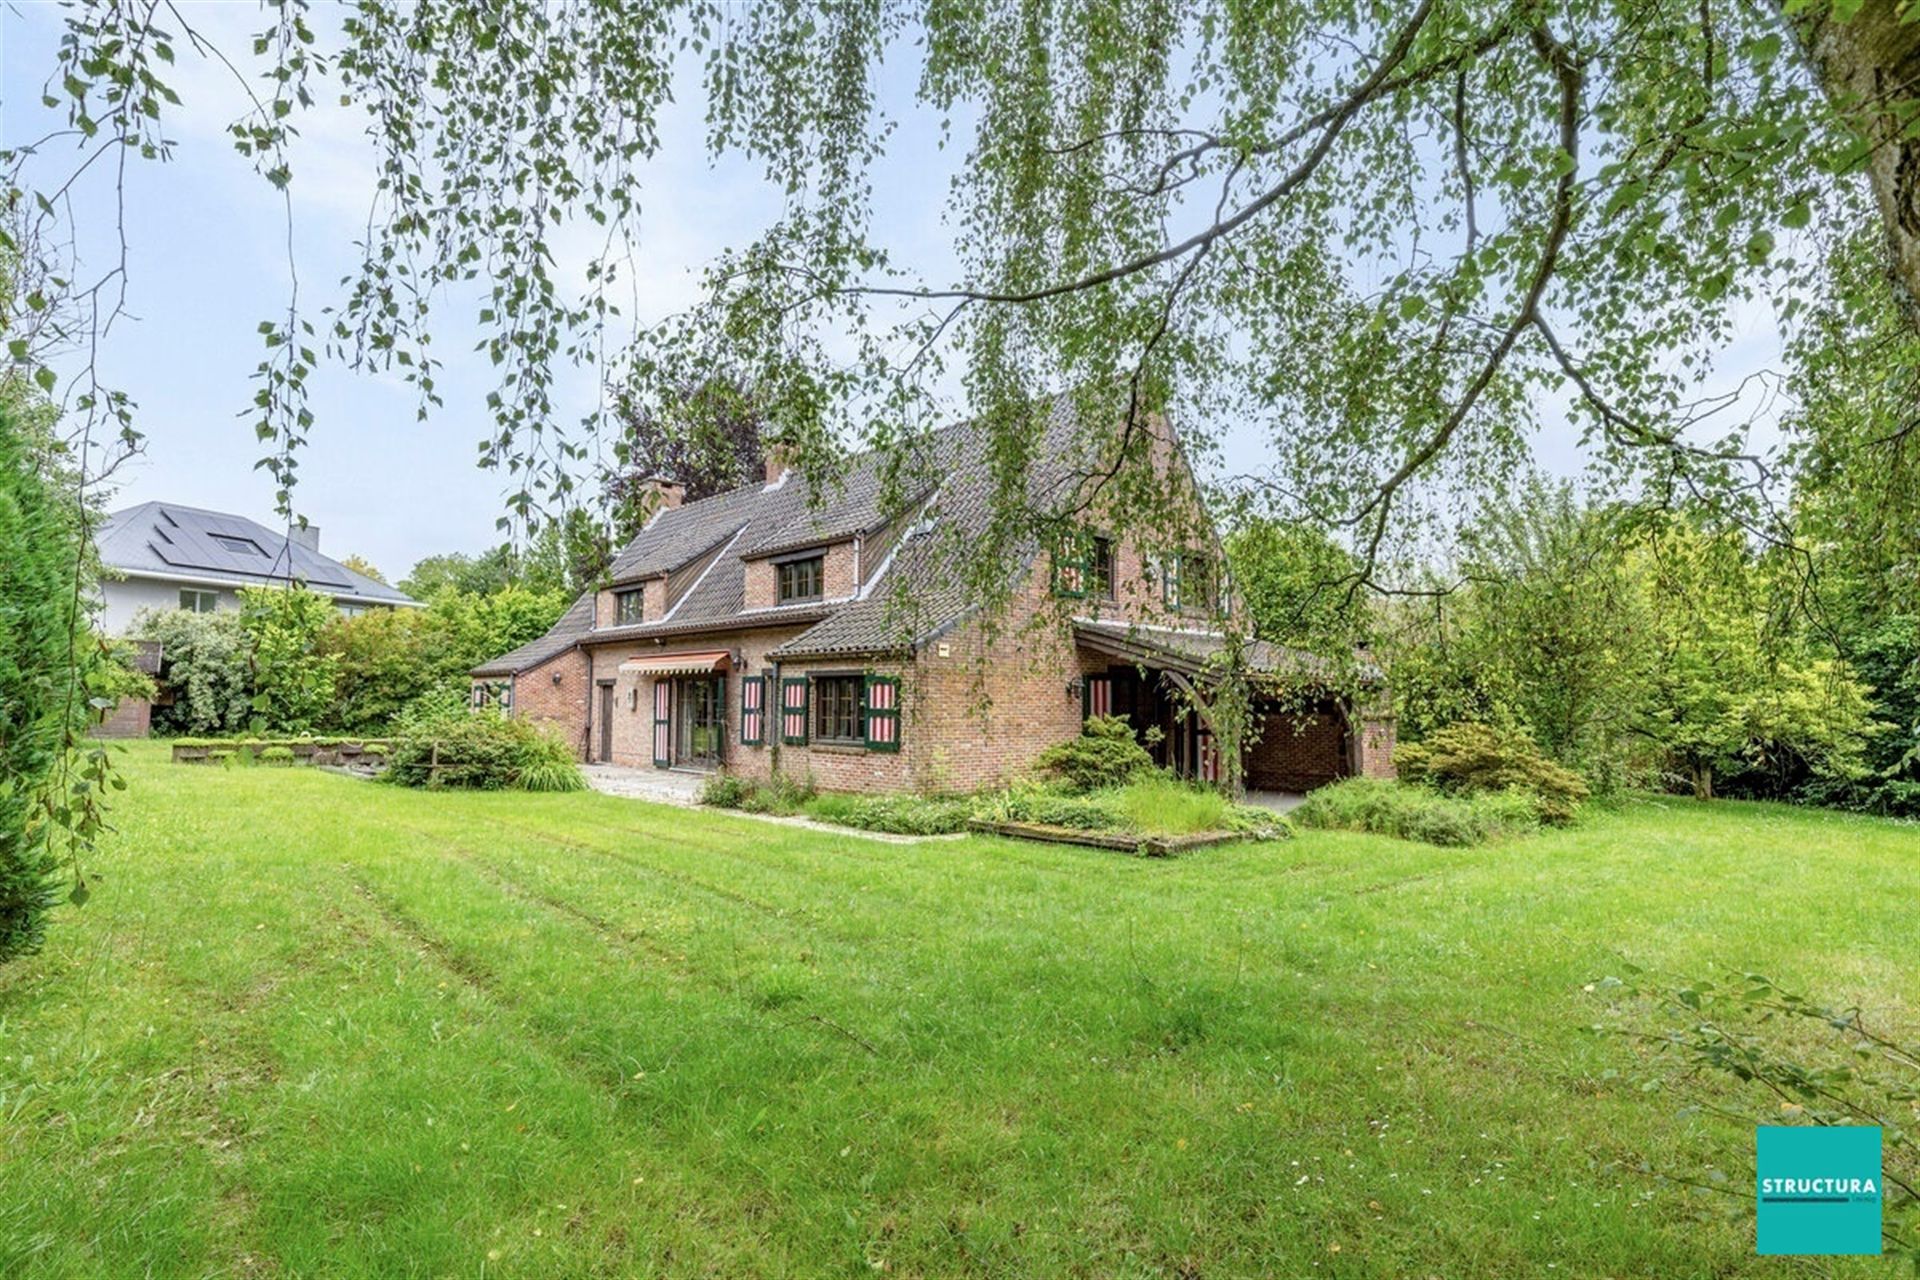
[199, 601]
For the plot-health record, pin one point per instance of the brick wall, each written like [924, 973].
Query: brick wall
[652, 602]
[130, 718]
[1376, 742]
[978, 713]
[1298, 749]
[633, 692]
[554, 695]
[831, 766]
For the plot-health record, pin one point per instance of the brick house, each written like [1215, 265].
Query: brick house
[762, 631]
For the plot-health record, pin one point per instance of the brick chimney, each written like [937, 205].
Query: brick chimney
[668, 493]
[779, 461]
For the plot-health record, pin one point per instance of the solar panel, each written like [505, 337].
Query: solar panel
[232, 544]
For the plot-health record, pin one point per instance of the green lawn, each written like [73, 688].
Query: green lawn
[315, 1026]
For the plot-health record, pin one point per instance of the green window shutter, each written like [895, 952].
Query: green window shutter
[882, 698]
[793, 711]
[753, 711]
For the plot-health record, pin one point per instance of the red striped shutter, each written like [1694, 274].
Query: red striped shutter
[883, 713]
[793, 711]
[662, 723]
[1099, 699]
[753, 710]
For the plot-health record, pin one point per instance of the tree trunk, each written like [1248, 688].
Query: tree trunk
[1869, 68]
[1703, 782]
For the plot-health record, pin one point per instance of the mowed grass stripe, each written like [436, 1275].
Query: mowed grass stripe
[1223, 1065]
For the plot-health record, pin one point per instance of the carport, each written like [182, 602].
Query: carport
[1304, 735]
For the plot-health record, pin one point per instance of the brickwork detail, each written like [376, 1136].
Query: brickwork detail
[1298, 750]
[130, 718]
[1377, 737]
[554, 694]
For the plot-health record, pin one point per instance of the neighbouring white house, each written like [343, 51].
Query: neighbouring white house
[161, 555]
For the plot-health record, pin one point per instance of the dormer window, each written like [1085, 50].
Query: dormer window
[802, 580]
[628, 607]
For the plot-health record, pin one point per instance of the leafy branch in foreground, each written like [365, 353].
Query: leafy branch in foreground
[1378, 240]
[1793, 1061]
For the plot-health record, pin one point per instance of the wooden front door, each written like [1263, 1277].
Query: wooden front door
[606, 724]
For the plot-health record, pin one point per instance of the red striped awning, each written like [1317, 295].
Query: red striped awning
[677, 664]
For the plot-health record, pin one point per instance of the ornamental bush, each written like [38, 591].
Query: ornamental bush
[480, 751]
[1106, 754]
[207, 671]
[1471, 758]
[781, 795]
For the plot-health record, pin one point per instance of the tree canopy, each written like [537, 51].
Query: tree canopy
[1381, 237]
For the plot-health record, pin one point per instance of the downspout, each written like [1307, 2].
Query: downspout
[586, 693]
[777, 715]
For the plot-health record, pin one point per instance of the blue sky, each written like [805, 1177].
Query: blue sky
[207, 258]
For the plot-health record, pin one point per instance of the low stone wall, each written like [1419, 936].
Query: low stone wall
[351, 753]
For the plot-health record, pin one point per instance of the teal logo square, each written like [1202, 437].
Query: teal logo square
[1818, 1189]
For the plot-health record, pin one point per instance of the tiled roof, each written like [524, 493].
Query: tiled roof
[945, 483]
[168, 540]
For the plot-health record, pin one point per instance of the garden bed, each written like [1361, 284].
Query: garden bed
[1156, 816]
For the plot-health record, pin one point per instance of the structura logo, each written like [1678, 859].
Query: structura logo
[1818, 1189]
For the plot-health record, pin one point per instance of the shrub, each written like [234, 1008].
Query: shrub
[205, 656]
[905, 815]
[279, 756]
[481, 751]
[725, 791]
[1468, 758]
[1047, 807]
[1411, 812]
[1104, 755]
[781, 796]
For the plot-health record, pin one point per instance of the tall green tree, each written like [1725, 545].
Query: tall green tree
[1736, 695]
[1559, 609]
[48, 780]
[1374, 236]
[570, 553]
[292, 676]
[492, 570]
[1289, 573]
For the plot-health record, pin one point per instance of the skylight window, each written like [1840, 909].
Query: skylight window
[243, 546]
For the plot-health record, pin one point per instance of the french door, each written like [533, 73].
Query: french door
[702, 720]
